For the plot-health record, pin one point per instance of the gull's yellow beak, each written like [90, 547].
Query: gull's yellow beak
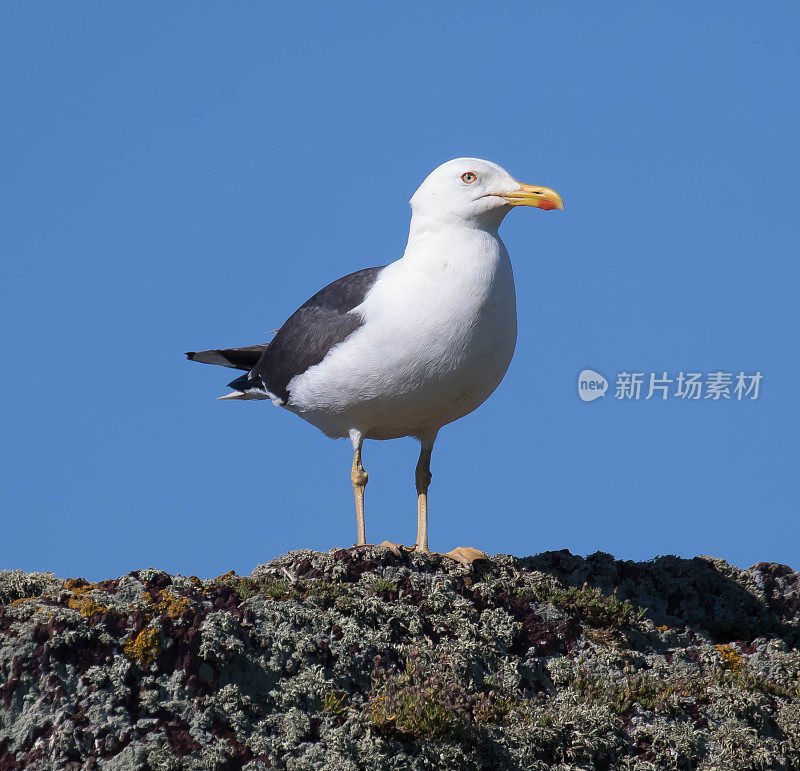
[534, 195]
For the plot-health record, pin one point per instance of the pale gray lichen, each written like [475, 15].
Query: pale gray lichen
[16, 584]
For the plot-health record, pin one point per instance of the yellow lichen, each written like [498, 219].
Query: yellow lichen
[30, 609]
[174, 606]
[145, 647]
[662, 628]
[86, 605]
[731, 658]
[78, 586]
[225, 577]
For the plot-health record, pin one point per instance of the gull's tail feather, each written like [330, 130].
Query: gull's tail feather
[239, 358]
[244, 387]
[242, 395]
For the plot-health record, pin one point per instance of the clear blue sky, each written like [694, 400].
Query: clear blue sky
[183, 175]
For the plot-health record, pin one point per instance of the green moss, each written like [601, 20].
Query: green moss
[642, 688]
[382, 585]
[249, 587]
[328, 593]
[589, 604]
[346, 604]
[669, 696]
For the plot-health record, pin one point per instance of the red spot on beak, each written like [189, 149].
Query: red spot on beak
[547, 205]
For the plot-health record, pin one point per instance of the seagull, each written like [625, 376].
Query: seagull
[404, 349]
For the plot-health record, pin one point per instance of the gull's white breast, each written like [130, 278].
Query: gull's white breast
[439, 333]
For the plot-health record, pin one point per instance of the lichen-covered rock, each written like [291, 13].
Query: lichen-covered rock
[357, 659]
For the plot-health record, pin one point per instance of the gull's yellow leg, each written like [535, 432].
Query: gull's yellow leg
[466, 555]
[422, 477]
[360, 479]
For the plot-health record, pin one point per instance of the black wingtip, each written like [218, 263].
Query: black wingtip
[190, 354]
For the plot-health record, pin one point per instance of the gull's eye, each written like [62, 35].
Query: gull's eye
[468, 177]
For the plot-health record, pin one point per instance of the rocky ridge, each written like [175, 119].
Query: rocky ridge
[357, 659]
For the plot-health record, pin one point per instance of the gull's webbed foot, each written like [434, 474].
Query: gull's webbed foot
[466, 555]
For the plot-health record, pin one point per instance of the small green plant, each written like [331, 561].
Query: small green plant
[345, 604]
[382, 585]
[431, 701]
[640, 688]
[747, 680]
[334, 703]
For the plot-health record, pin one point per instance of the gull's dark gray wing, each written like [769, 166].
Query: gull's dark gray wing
[308, 334]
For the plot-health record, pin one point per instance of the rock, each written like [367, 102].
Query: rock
[358, 659]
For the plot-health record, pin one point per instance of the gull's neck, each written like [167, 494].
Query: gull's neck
[454, 238]
[426, 225]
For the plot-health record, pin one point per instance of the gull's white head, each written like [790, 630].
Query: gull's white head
[473, 192]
